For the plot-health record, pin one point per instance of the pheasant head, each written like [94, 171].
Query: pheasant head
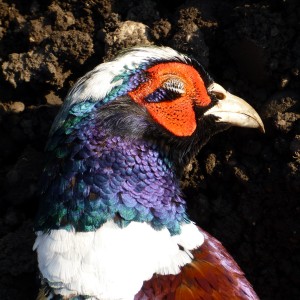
[114, 154]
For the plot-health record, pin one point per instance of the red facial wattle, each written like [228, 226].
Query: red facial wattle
[178, 115]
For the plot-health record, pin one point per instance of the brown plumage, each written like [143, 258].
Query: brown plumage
[212, 275]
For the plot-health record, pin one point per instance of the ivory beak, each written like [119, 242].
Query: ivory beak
[233, 110]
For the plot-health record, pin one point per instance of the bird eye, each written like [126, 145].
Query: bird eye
[174, 85]
[170, 90]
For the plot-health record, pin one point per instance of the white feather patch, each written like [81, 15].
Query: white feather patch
[112, 262]
[96, 84]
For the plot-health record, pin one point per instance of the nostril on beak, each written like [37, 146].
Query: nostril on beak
[220, 96]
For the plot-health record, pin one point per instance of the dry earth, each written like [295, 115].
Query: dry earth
[244, 186]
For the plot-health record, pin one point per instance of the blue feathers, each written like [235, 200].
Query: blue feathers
[116, 179]
[93, 176]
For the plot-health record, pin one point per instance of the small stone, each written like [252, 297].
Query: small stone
[210, 163]
[240, 175]
[17, 107]
[295, 71]
[53, 99]
[284, 82]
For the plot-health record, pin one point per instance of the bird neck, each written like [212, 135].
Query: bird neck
[94, 176]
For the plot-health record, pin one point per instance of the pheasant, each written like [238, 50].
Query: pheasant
[112, 222]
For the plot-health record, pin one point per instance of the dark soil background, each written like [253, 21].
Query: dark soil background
[244, 186]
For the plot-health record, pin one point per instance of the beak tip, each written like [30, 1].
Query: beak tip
[262, 128]
[260, 124]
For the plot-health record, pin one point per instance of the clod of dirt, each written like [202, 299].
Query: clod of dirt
[189, 37]
[62, 19]
[13, 107]
[127, 34]
[210, 163]
[41, 28]
[282, 109]
[70, 47]
[161, 29]
[42, 65]
[192, 177]
[284, 122]
[53, 99]
[241, 175]
[280, 103]
[37, 30]
[17, 107]
[33, 67]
